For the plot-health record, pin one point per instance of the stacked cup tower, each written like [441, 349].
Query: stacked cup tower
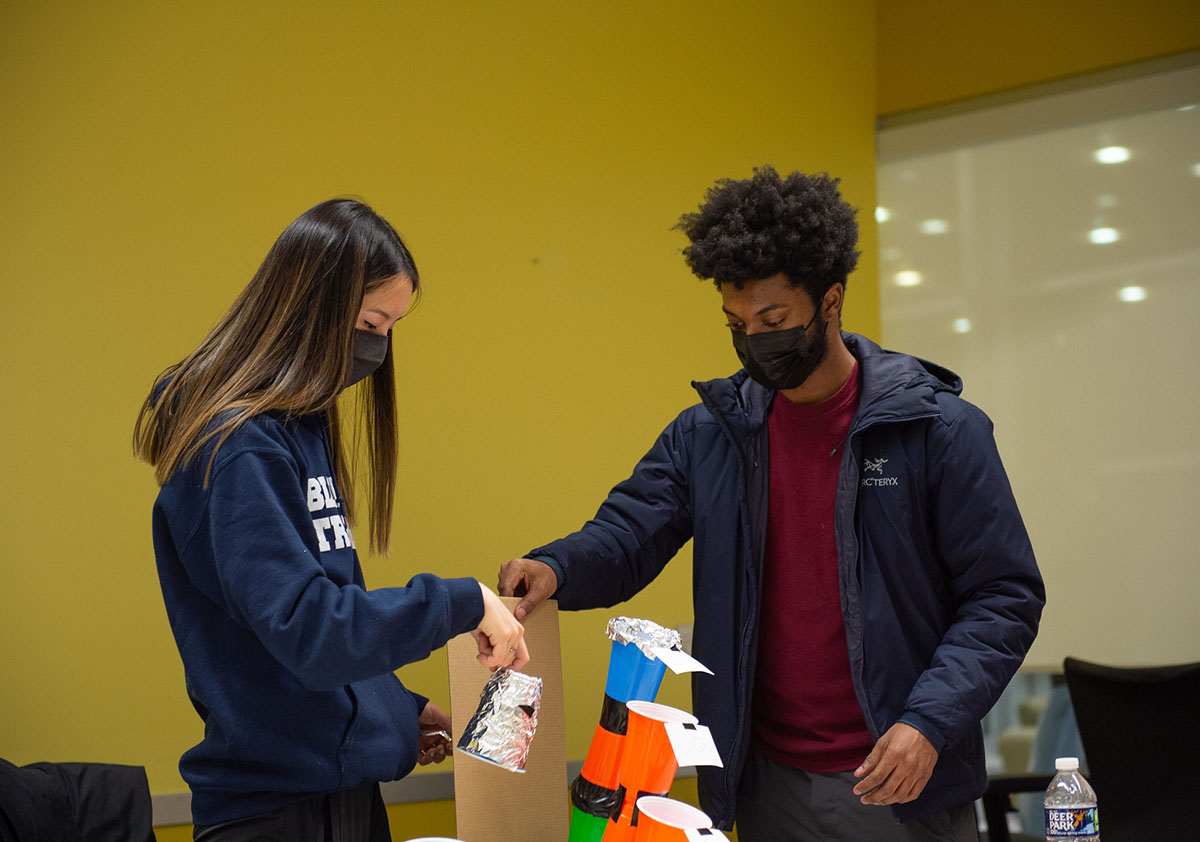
[634, 674]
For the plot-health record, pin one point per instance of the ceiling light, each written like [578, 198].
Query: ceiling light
[934, 226]
[1112, 155]
[882, 214]
[1196, 170]
[1103, 235]
[962, 325]
[1132, 293]
[907, 278]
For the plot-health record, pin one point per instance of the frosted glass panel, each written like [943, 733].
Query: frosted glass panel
[1066, 292]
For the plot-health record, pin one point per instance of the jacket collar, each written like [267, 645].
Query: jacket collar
[892, 387]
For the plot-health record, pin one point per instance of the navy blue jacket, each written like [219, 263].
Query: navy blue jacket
[288, 657]
[939, 588]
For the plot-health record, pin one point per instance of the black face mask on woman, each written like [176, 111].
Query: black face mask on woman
[368, 353]
[781, 359]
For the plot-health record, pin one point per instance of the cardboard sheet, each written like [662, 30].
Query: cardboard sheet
[492, 804]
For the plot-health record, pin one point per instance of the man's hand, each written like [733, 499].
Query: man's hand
[432, 745]
[527, 578]
[897, 768]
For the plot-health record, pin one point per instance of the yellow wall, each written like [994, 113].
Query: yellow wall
[935, 51]
[535, 156]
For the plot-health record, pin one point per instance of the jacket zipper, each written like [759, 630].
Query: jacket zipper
[747, 451]
[859, 681]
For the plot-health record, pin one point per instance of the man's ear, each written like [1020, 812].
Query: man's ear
[831, 304]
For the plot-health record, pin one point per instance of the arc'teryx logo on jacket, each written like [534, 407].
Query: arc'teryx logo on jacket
[877, 466]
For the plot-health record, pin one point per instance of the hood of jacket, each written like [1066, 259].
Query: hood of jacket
[892, 386]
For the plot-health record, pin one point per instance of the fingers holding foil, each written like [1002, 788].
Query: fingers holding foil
[433, 747]
[435, 743]
[520, 655]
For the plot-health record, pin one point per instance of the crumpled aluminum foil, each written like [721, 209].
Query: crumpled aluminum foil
[502, 728]
[643, 634]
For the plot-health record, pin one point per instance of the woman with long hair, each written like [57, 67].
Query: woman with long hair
[289, 659]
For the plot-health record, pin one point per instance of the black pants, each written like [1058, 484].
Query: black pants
[350, 815]
[777, 803]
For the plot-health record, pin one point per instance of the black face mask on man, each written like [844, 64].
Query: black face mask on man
[368, 352]
[781, 359]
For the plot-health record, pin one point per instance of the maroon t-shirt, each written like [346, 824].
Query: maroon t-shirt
[805, 712]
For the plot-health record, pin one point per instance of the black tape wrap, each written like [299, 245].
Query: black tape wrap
[594, 799]
[633, 818]
[614, 716]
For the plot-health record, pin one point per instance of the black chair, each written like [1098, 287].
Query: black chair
[1141, 732]
[997, 804]
[74, 802]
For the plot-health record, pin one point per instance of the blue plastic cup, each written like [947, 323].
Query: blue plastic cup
[631, 675]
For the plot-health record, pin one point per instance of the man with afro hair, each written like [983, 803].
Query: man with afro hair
[863, 584]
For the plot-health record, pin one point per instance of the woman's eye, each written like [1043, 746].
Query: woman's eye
[369, 326]
[773, 324]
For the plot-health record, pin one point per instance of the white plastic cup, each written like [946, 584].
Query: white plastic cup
[666, 820]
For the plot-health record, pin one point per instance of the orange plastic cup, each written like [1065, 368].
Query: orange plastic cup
[603, 760]
[648, 762]
[666, 820]
[615, 831]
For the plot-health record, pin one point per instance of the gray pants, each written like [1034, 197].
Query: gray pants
[777, 803]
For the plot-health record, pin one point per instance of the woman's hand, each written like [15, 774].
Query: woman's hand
[433, 746]
[501, 638]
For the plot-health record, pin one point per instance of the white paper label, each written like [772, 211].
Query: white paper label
[693, 744]
[708, 834]
[679, 661]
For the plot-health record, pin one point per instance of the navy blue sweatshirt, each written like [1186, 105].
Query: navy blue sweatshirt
[288, 657]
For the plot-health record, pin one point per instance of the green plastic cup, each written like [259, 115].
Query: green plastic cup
[585, 828]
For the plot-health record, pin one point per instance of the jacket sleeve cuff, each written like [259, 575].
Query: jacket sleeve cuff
[466, 604]
[419, 699]
[926, 727]
[553, 565]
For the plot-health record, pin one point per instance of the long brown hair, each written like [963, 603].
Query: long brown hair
[285, 345]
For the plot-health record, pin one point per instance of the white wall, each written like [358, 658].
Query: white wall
[1094, 398]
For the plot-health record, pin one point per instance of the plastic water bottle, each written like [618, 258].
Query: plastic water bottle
[1070, 805]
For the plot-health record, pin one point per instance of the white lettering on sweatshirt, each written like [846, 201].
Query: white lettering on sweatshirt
[322, 495]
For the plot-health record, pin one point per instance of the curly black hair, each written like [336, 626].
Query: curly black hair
[752, 229]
